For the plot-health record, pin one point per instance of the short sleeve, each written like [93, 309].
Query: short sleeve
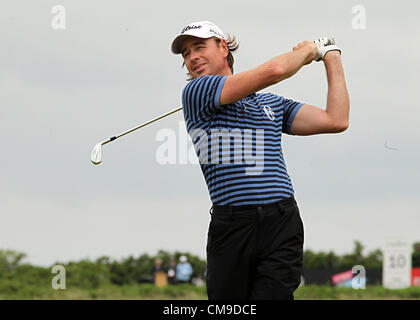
[290, 109]
[201, 97]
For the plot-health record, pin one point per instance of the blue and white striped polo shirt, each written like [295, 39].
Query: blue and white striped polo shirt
[239, 144]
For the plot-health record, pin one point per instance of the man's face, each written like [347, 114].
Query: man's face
[205, 56]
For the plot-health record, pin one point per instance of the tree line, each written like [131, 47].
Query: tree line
[87, 274]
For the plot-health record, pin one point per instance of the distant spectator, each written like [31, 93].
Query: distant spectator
[183, 270]
[159, 275]
[157, 267]
[171, 269]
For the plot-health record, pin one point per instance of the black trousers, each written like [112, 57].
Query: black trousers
[254, 252]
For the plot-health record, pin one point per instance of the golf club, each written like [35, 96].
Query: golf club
[96, 155]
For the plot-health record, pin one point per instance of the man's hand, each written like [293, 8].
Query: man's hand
[325, 45]
[311, 47]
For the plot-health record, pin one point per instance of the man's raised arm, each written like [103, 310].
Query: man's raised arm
[311, 120]
[238, 86]
[338, 101]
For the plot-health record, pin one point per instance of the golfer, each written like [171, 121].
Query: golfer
[255, 237]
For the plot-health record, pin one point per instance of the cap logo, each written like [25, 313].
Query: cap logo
[189, 28]
[216, 33]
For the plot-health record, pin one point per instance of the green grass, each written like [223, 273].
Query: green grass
[111, 292]
[190, 292]
[315, 292]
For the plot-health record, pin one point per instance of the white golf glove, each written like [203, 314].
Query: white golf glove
[324, 45]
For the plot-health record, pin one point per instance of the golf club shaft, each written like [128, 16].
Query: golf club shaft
[140, 126]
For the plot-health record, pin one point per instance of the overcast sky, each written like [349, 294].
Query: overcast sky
[64, 90]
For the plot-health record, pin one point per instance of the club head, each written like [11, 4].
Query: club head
[96, 155]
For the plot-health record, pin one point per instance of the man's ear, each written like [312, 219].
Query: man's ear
[224, 46]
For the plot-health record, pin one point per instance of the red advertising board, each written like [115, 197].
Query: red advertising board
[415, 277]
[342, 277]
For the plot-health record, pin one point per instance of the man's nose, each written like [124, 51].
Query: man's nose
[193, 55]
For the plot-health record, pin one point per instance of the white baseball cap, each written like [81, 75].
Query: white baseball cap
[183, 259]
[201, 29]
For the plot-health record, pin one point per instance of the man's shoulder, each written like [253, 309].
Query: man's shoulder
[264, 98]
[199, 81]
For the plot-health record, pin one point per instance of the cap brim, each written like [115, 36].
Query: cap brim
[177, 43]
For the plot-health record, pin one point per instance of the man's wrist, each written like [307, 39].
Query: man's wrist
[312, 51]
[332, 55]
